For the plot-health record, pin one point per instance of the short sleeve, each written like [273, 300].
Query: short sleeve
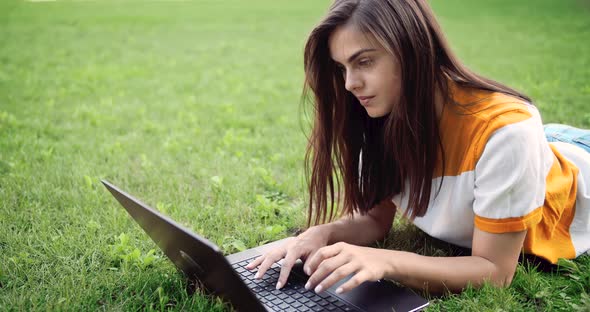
[510, 178]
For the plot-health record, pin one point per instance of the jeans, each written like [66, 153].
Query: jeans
[568, 134]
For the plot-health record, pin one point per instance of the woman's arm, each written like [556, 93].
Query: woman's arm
[363, 230]
[494, 258]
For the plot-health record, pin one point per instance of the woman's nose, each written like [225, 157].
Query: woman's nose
[353, 82]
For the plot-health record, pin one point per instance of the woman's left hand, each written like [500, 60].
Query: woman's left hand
[332, 263]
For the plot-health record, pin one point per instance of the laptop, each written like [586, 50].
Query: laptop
[204, 264]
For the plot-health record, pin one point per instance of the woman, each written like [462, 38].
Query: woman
[402, 126]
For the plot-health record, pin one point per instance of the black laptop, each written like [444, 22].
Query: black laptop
[203, 262]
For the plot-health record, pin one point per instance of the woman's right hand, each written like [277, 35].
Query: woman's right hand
[301, 247]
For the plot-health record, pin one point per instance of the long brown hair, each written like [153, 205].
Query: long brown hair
[374, 158]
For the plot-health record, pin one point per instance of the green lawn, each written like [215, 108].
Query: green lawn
[194, 107]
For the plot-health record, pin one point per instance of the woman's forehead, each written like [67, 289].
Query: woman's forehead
[346, 40]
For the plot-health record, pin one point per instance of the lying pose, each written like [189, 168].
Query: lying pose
[402, 126]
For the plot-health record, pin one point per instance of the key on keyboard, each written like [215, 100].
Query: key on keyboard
[292, 297]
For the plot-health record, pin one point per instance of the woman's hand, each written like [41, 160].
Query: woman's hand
[333, 263]
[300, 247]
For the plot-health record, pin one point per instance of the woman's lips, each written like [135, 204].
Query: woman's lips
[365, 99]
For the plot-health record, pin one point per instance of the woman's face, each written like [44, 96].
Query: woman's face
[370, 73]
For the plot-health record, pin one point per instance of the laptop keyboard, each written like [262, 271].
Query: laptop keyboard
[292, 297]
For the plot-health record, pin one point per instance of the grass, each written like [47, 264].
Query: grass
[194, 108]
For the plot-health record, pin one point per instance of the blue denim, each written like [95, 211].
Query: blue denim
[568, 134]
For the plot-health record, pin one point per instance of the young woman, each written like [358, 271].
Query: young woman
[402, 126]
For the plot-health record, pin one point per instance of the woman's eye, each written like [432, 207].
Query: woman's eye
[365, 62]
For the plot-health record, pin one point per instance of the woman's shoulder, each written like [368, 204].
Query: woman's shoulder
[487, 106]
[477, 116]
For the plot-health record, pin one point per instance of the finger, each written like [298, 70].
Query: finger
[268, 261]
[286, 267]
[265, 261]
[320, 255]
[255, 263]
[337, 275]
[327, 268]
[356, 280]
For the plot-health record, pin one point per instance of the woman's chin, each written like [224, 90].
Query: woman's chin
[375, 113]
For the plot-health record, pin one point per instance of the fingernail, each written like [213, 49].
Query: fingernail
[257, 275]
[279, 285]
[307, 286]
[339, 290]
[318, 289]
[307, 270]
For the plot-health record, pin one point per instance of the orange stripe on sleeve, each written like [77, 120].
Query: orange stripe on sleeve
[506, 225]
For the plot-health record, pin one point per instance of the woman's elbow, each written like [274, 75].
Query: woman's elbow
[502, 279]
[497, 279]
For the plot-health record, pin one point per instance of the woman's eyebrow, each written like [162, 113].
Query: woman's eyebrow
[357, 54]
